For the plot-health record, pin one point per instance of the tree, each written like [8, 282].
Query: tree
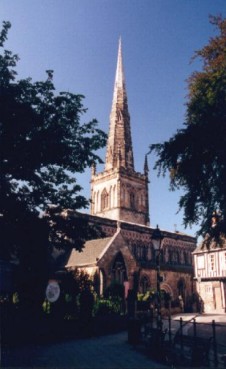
[72, 285]
[43, 145]
[196, 155]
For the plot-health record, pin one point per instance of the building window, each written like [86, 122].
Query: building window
[97, 203]
[208, 289]
[225, 259]
[119, 269]
[144, 253]
[212, 262]
[114, 202]
[110, 198]
[141, 200]
[201, 262]
[144, 284]
[104, 200]
[181, 288]
[132, 200]
[123, 199]
[170, 257]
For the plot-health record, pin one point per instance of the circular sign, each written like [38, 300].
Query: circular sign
[52, 291]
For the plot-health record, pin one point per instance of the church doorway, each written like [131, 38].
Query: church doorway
[181, 288]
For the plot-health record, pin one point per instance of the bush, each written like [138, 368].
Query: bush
[103, 306]
[115, 289]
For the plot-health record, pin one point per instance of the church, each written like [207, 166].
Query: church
[120, 207]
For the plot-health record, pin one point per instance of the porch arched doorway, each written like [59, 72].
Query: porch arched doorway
[166, 288]
[181, 288]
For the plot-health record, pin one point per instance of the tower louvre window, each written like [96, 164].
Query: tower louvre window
[104, 200]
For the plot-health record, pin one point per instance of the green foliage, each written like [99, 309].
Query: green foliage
[106, 306]
[76, 296]
[196, 154]
[68, 226]
[15, 298]
[145, 296]
[43, 143]
[46, 307]
[112, 301]
[32, 248]
[115, 289]
[86, 303]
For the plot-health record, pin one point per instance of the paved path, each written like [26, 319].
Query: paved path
[107, 352]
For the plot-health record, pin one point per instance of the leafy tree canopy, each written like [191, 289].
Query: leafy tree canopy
[196, 155]
[43, 145]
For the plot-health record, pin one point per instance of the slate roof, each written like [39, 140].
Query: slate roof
[90, 253]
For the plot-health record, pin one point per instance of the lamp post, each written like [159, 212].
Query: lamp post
[157, 238]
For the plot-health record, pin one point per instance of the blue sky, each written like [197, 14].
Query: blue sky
[78, 39]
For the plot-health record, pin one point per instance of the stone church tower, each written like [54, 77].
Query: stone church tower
[119, 192]
[125, 252]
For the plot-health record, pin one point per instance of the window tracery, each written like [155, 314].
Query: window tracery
[119, 269]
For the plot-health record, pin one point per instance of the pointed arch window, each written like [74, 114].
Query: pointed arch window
[110, 200]
[170, 257]
[144, 284]
[97, 203]
[119, 269]
[178, 257]
[114, 201]
[132, 200]
[185, 258]
[141, 200]
[104, 199]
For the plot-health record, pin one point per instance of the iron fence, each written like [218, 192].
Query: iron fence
[189, 337]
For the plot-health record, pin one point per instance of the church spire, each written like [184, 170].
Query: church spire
[119, 192]
[119, 133]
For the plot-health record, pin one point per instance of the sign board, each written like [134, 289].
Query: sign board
[52, 291]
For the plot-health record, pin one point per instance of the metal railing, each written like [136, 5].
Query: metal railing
[198, 332]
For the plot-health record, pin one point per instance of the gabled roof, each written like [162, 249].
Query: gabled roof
[89, 255]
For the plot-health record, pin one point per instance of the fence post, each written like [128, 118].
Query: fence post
[194, 330]
[214, 344]
[181, 334]
[194, 351]
[170, 333]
